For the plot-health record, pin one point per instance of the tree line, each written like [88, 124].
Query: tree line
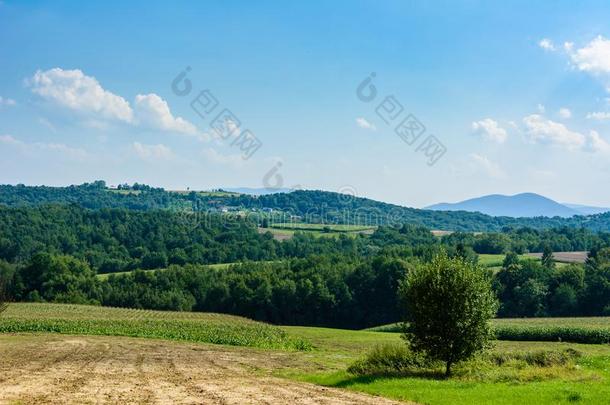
[311, 205]
[334, 290]
[118, 239]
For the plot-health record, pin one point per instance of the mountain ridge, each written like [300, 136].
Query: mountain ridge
[522, 205]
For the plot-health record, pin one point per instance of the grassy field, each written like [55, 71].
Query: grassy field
[283, 231]
[492, 260]
[218, 266]
[488, 260]
[586, 380]
[184, 326]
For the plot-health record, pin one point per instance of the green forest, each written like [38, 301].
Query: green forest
[54, 250]
[308, 205]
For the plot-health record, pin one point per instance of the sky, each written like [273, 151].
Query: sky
[409, 102]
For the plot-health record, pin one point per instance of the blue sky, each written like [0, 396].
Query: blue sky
[517, 94]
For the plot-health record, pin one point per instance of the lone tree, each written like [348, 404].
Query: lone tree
[449, 303]
[548, 260]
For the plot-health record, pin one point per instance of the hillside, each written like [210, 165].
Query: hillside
[587, 210]
[309, 206]
[521, 205]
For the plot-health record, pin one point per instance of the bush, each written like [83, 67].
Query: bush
[388, 359]
[538, 358]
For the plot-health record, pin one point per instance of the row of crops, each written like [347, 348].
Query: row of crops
[184, 326]
[594, 330]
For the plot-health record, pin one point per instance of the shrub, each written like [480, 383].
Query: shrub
[388, 359]
[538, 358]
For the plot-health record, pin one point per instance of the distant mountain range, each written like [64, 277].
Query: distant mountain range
[586, 210]
[525, 205]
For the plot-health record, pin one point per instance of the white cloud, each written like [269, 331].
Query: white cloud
[363, 123]
[54, 148]
[152, 111]
[565, 113]
[490, 130]
[9, 140]
[541, 109]
[597, 144]
[77, 91]
[593, 57]
[152, 152]
[491, 169]
[544, 131]
[7, 102]
[546, 44]
[599, 116]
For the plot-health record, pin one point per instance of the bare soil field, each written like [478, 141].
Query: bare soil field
[59, 369]
[565, 257]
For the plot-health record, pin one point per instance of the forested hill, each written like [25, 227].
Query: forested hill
[308, 205]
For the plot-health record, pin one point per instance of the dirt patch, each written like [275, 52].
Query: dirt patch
[86, 370]
[565, 257]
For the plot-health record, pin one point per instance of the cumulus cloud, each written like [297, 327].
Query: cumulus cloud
[546, 44]
[152, 152]
[599, 116]
[593, 57]
[7, 102]
[490, 130]
[541, 130]
[54, 148]
[77, 91]
[491, 169]
[152, 111]
[363, 123]
[565, 113]
[74, 90]
[597, 144]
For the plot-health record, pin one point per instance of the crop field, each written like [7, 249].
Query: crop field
[581, 330]
[185, 326]
[322, 227]
[595, 330]
[278, 234]
[564, 257]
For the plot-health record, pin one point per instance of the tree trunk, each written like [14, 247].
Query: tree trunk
[448, 370]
